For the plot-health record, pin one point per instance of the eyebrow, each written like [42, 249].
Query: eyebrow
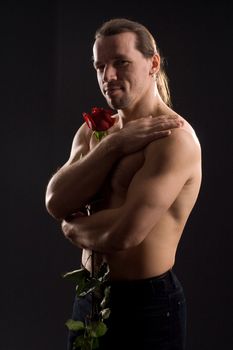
[117, 57]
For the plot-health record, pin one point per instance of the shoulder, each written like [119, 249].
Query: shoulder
[183, 137]
[180, 149]
[82, 135]
[83, 132]
[80, 143]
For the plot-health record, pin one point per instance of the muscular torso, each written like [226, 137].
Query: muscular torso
[156, 254]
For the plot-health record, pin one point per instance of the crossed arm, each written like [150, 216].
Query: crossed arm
[75, 183]
[168, 165]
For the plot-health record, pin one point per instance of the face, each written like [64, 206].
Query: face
[123, 73]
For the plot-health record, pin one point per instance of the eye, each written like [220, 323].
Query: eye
[122, 63]
[100, 68]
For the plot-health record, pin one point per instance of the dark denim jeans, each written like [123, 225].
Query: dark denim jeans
[145, 314]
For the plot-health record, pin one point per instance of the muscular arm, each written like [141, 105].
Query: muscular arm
[81, 177]
[75, 184]
[168, 165]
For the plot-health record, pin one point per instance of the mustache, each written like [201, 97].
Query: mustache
[112, 85]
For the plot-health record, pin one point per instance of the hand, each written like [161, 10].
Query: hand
[76, 215]
[68, 229]
[140, 132]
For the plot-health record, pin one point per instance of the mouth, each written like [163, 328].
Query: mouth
[112, 91]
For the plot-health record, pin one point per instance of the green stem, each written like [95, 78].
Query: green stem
[100, 134]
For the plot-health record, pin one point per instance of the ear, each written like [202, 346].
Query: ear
[155, 64]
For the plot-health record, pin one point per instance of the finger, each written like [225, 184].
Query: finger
[168, 116]
[162, 120]
[166, 125]
[174, 123]
[159, 134]
[65, 228]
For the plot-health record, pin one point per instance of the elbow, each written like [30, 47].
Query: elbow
[130, 243]
[59, 209]
[124, 245]
[124, 240]
[53, 208]
[52, 202]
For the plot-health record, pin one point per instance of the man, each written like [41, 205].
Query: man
[147, 175]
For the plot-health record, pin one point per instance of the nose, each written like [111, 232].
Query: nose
[109, 74]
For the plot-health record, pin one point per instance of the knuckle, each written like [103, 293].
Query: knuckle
[66, 230]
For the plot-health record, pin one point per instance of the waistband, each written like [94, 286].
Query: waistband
[156, 285]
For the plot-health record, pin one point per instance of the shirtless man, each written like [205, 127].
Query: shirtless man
[148, 171]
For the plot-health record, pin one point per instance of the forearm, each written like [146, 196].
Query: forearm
[74, 185]
[95, 232]
[112, 230]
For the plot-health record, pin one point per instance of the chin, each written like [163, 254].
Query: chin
[120, 104]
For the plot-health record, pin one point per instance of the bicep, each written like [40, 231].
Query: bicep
[153, 190]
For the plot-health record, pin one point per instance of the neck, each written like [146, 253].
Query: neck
[154, 107]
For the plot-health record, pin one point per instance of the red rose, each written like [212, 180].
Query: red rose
[99, 119]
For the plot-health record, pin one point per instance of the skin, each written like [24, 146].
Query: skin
[149, 192]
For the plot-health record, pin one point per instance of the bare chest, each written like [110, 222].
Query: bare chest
[119, 178]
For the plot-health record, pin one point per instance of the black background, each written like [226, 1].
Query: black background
[47, 81]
